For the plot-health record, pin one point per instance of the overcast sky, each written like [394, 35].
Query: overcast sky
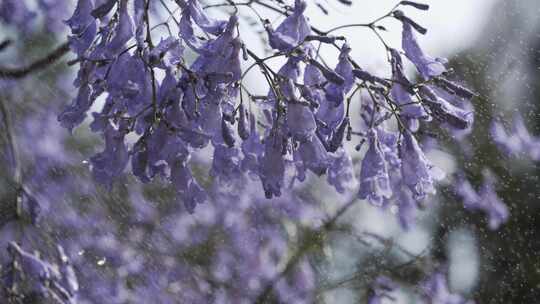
[452, 25]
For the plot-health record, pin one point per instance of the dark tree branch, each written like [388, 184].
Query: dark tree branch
[4, 44]
[301, 251]
[16, 73]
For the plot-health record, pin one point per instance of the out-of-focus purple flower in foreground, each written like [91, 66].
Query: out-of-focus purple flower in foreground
[518, 141]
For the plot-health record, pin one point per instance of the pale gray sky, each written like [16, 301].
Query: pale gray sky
[452, 25]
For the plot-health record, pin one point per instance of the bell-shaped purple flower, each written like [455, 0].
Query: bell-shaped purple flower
[252, 149]
[427, 66]
[188, 190]
[205, 22]
[336, 92]
[401, 92]
[314, 156]
[300, 122]
[111, 162]
[167, 54]
[192, 13]
[124, 31]
[75, 113]
[416, 170]
[83, 27]
[374, 178]
[292, 31]
[444, 111]
[341, 172]
[380, 289]
[272, 164]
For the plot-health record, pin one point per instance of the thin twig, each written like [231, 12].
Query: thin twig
[300, 252]
[16, 73]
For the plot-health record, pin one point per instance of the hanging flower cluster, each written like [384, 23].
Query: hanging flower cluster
[300, 126]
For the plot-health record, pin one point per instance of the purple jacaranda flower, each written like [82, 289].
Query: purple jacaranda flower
[129, 85]
[341, 171]
[75, 113]
[407, 206]
[102, 8]
[380, 290]
[124, 32]
[226, 164]
[227, 133]
[290, 73]
[167, 54]
[139, 12]
[462, 109]
[222, 55]
[83, 27]
[252, 148]
[485, 200]
[455, 89]
[444, 111]
[16, 13]
[389, 146]
[332, 109]
[517, 142]
[334, 92]
[328, 74]
[417, 5]
[187, 188]
[427, 66]
[530, 144]
[314, 156]
[300, 122]
[29, 263]
[192, 13]
[401, 90]
[243, 124]
[111, 162]
[374, 179]
[292, 31]
[272, 164]
[416, 170]
[30, 205]
[435, 290]
[400, 15]
[197, 14]
[312, 89]
[331, 116]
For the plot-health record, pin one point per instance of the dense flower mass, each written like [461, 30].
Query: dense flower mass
[300, 125]
[168, 93]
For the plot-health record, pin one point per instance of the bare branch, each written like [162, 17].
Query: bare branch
[16, 73]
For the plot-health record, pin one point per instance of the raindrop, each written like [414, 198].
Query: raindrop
[102, 261]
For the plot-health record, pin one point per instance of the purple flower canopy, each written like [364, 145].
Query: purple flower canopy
[307, 119]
